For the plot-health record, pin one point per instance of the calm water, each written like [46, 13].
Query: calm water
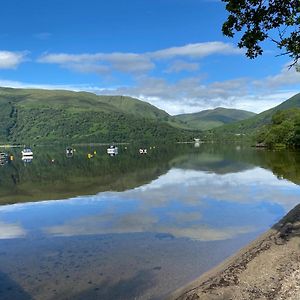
[134, 226]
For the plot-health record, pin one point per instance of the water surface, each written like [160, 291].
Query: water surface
[134, 226]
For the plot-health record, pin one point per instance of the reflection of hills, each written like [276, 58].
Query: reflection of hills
[223, 159]
[284, 164]
[210, 163]
[211, 158]
[65, 178]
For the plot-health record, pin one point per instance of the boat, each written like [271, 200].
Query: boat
[27, 152]
[69, 152]
[143, 151]
[112, 150]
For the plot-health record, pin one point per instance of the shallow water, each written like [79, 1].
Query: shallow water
[134, 226]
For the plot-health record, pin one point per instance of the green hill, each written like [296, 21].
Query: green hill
[212, 118]
[284, 129]
[30, 116]
[251, 125]
[49, 116]
[136, 107]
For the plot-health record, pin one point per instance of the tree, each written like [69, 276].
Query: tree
[260, 20]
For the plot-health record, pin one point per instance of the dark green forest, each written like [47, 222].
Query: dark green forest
[41, 116]
[284, 129]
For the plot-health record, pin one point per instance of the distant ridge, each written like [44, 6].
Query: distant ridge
[252, 124]
[212, 118]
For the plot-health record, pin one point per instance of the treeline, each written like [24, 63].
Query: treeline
[40, 125]
[283, 131]
[7, 119]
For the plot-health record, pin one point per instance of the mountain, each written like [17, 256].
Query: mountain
[283, 131]
[50, 116]
[134, 106]
[252, 124]
[32, 115]
[212, 118]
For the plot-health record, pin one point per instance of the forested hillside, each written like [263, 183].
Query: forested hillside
[212, 118]
[251, 126]
[30, 116]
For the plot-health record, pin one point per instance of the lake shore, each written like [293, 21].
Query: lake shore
[268, 268]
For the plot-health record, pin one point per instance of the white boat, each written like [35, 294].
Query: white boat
[143, 151]
[112, 150]
[69, 152]
[27, 152]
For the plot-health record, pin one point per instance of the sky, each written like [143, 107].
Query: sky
[171, 53]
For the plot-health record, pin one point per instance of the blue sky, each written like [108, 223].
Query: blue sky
[170, 53]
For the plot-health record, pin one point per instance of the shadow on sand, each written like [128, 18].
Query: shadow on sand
[10, 290]
[131, 288]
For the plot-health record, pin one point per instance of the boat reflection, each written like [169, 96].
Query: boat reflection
[3, 159]
[27, 159]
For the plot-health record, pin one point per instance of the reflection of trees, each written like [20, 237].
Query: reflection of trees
[63, 178]
[222, 159]
[219, 159]
[284, 164]
[66, 178]
[210, 163]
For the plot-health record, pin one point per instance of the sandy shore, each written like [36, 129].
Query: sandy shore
[269, 268]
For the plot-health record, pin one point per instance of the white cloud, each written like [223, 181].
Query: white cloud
[101, 62]
[11, 60]
[197, 50]
[89, 68]
[135, 63]
[287, 76]
[181, 65]
[63, 58]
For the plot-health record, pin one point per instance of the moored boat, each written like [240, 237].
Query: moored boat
[27, 152]
[112, 150]
[143, 151]
[69, 152]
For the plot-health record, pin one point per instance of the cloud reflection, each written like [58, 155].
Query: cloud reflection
[183, 203]
[11, 231]
[138, 223]
[192, 187]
